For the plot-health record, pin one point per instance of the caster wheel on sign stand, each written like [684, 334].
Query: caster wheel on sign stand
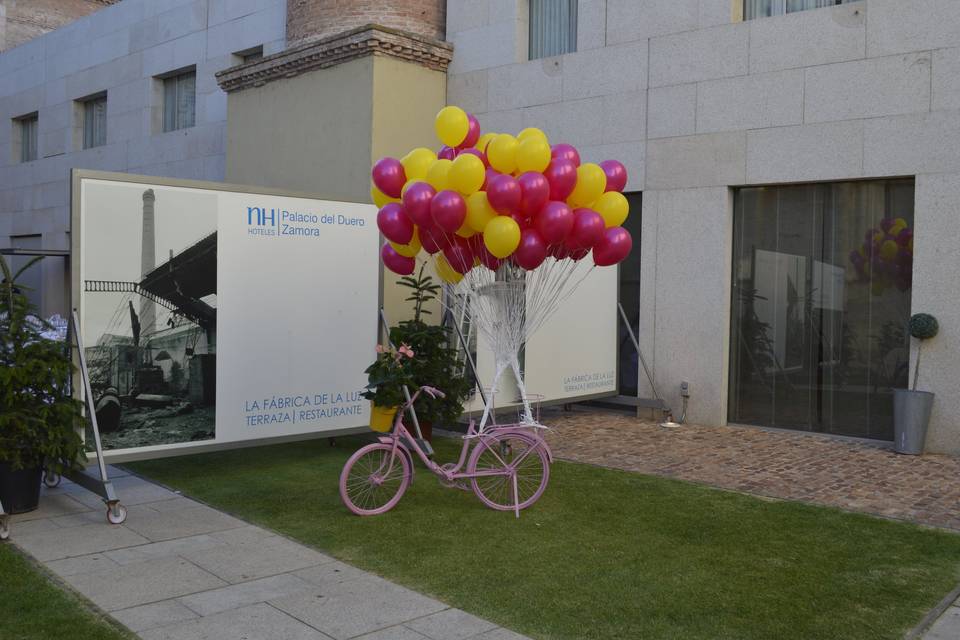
[51, 479]
[4, 528]
[116, 513]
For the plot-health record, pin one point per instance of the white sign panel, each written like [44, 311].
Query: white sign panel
[216, 316]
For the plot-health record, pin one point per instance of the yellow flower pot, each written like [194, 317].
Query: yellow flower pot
[381, 418]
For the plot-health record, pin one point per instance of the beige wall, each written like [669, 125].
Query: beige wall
[346, 118]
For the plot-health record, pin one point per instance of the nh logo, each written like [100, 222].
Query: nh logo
[261, 216]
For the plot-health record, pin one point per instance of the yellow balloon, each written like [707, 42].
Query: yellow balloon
[452, 125]
[479, 211]
[502, 153]
[445, 271]
[484, 140]
[532, 132]
[411, 249]
[417, 163]
[613, 207]
[533, 154]
[591, 181]
[438, 175]
[501, 236]
[380, 198]
[467, 173]
[466, 231]
[888, 250]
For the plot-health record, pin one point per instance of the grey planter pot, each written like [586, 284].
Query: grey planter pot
[911, 417]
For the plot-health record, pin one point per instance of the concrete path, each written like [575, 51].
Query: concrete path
[947, 626]
[179, 570]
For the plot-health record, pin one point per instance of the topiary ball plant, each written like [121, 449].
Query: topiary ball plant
[922, 326]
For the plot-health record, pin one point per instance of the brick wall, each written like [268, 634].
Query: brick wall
[24, 20]
[313, 19]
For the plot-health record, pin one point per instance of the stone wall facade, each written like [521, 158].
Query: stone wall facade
[24, 20]
[314, 19]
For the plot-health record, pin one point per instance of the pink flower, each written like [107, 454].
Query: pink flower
[406, 350]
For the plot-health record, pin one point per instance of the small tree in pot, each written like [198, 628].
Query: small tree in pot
[436, 362]
[38, 419]
[911, 408]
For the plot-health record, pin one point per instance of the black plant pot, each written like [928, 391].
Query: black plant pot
[19, 490]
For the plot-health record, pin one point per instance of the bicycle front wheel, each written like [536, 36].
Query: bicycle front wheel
[374, 479]
[494, 456]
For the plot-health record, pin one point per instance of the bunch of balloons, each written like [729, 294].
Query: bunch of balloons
[484, 198]
[885, 258]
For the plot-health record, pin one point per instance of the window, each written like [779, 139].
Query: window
[25, 133]
[252, 55]
[95, 122]
[821, 295]
[553, 27]
[764, 8]
[179, 101]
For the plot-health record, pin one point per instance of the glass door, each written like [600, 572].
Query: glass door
[630, 299]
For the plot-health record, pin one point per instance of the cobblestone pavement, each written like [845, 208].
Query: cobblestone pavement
[854, 475]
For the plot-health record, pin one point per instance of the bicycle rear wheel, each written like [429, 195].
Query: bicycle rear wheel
[497, 453]
[371, 483]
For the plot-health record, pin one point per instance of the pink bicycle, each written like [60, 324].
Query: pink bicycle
[508, 466]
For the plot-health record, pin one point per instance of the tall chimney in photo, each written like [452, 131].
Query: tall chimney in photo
[148, 313]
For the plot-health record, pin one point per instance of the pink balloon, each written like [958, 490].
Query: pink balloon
[388, 176]
[567, 151]
[459, 254]
[532, 250]
[433, 239]
[522, 221]
[616, 174]
[563, 251]
[561, 174]
[534, 192]
[394, 224]
[588, 226]
[473, 131]
[614, 245]
[489, 175]
[446, 153]
[504, 195]
[554, 222]
[401, 265]
[475, 152]
[416, 202]
[448, 210]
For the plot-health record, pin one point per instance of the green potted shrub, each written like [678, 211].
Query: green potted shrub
[436, 363]
[911, 408]
[38, 418]
[386, 378]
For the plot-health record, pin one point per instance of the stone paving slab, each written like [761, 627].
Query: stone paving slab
[947, 626]
[850, 474]
[179, 570]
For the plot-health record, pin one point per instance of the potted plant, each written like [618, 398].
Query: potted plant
[386, 378]
[38, 418]
[911, 408]
[436, 363]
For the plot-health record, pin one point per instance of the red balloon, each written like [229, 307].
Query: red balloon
[522, 221]
[388, 176]
[554, 222]
[394, 224]
[616, 174]
[448, 210]
[401, 265]
[433, 239]
[564, 250]
[459, 254]
[489, 175]
[532, 250]
[588, 226]
[446, 153]
[567, 151]
[561, 174]
[614, 245]
[904, 237]
[480, 250]
[475, 152]
[534, 192]
[416, 202]
[504, 195]
[473, 132]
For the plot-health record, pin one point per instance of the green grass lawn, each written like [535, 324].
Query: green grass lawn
[34, 608]
[604, 554]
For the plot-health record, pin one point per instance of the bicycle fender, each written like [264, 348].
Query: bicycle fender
[403, 449]
[521, 432]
